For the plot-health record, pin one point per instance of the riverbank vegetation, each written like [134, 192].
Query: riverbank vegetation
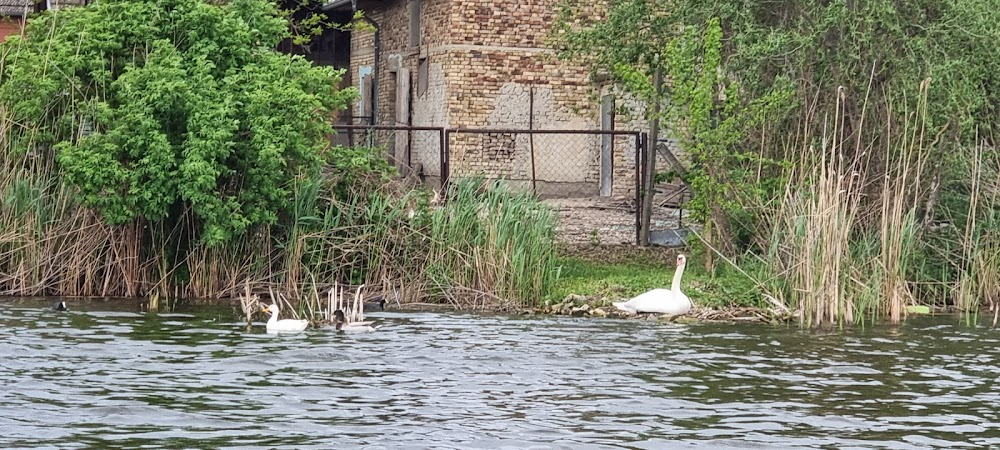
[842, 154]
[842, 158]
[620, 272]
[163, 149]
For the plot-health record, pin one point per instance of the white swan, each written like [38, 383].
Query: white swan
[285, 325]
[661, 301]
[341, 324]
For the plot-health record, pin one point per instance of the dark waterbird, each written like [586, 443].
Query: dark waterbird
[377, 305]
[60, 306]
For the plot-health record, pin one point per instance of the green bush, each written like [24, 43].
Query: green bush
[152, 108]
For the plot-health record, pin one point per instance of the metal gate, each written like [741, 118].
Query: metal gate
[604, 166]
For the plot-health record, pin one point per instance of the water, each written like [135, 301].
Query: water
[107, 376]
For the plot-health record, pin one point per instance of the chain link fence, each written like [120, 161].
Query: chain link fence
[415, 151]
[591, 178]
[550, 163]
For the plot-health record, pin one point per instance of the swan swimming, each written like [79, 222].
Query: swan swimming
[284, 325]
[661, 301]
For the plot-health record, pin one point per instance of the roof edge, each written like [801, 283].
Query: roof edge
[338, 5]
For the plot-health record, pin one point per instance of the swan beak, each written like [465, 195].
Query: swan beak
[265, 309]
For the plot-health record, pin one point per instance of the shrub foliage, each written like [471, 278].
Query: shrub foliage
[153, 108]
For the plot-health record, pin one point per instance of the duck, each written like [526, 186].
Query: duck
[375, 306]
[60, 306]
[341, 324]
[661, 301]
[284, 325]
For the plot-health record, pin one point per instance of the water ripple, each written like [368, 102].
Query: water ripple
[111, 376]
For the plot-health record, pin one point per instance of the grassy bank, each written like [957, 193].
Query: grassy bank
[153, 165]
[616, 272]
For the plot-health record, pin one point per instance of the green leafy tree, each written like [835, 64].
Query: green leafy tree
[172, 110]
[748, 83]
[710, 120]
[700, 105]
[307, 20]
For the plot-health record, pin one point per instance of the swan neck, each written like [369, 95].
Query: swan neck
[676, 284]
[273, 320]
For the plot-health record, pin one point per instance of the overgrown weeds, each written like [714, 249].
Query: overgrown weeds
[487, 247]
[979, 267]
[139, 165]
[845, 244]
[491, 244]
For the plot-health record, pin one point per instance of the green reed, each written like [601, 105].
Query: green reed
[494, 243]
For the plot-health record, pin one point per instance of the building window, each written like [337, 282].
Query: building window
[422, 75]
[415, 23]
[365, 89]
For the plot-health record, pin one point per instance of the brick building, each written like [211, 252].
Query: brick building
[481, 64]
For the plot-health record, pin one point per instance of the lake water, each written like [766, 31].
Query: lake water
[105, 375]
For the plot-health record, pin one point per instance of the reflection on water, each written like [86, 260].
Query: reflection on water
[105, 375]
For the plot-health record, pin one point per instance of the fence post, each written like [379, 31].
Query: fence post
[640, 171]
[445, 166]
[650, 169]
[531, 136]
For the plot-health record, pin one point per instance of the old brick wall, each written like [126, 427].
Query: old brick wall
[502, 74]
[488, 65]
[362, 59]
[399, 59]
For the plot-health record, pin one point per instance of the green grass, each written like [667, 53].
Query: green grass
[587, 276]
[492, 241]
[579, 276]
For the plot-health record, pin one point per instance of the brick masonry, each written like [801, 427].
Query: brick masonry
[486, 64]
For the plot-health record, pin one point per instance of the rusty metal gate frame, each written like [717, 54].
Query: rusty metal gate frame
[641, 148]
[442, 136]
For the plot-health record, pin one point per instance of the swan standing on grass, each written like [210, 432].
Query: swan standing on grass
[661, 301]
[285, 325]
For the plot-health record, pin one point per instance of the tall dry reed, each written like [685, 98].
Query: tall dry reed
[979, 274]
[812, 233]
[49, 245]
[902, 188]
[844, 233]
